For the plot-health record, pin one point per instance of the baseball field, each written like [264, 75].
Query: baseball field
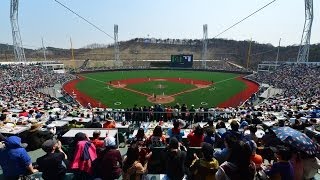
[123, 89]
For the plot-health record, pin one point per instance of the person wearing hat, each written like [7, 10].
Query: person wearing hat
[35, 137]
[206, 167]
[52, 164]
[14, 159]
[110, 160]
[110, 124]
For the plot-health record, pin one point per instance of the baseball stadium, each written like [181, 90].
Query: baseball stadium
[156, 103]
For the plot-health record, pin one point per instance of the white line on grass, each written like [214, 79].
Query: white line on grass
[94, 79]
[226, 80]
[108, 87]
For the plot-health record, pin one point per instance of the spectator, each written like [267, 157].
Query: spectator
[223, 155]
[175, 161]
[238, 165]
[176, 131]
[110, 124]
[220, 124]
[157, 139]
[234, 130]
[209, 137]
[256, 158]
[94, 124]
[132, 167]
[84, 155]
[206, 167]
[36, 137]
[297, 164]
[210, 125]
[52, 165]
[282, 168]
[140, 138]
[196, 137]
[72, 147]
[15, 160]
[96, 139]
[111, 162]
[252, 135]
[311, 165]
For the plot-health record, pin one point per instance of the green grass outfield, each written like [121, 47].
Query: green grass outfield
[225, 86]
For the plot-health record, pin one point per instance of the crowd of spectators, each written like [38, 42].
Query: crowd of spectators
[299, 80]
[225, 146]
[20, 85]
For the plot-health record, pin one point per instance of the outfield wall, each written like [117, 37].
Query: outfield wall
[184, 69]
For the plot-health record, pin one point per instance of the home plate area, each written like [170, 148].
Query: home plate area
[160, 99]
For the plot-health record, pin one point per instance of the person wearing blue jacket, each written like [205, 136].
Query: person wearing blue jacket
[176, 131]
[14, 159]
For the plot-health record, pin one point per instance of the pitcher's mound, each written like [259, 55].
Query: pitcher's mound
[161, 99]
[160, 86]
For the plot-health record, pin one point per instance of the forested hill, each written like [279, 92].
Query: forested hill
[139, 48]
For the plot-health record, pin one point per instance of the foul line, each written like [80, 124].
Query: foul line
[195, 89]
[226, 80]
[93, 79]
[128, 89]
[135, 91]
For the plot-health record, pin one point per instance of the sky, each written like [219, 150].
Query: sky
[179, 19]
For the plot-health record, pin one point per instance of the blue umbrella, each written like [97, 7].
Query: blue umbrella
[296, 139]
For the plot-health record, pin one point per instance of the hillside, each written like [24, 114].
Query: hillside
[140, 49]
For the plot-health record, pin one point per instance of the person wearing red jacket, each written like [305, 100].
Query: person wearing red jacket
[196, 137]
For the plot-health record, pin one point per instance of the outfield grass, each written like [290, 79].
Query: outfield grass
[225, 86]
[167, 87]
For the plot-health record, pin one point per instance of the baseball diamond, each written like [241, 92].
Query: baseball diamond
[147, 87]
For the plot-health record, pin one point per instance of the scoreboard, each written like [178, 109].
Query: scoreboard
[182, 61]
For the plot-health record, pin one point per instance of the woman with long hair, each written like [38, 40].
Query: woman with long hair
[140, 138]
[196, 137]
[132, 167]
[175, 160]
[157, 139]
[84, 154]
[238, 165]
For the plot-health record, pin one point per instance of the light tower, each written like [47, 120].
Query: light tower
[117, 61]
[303, 55]
[204, 46]
[17, 43]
